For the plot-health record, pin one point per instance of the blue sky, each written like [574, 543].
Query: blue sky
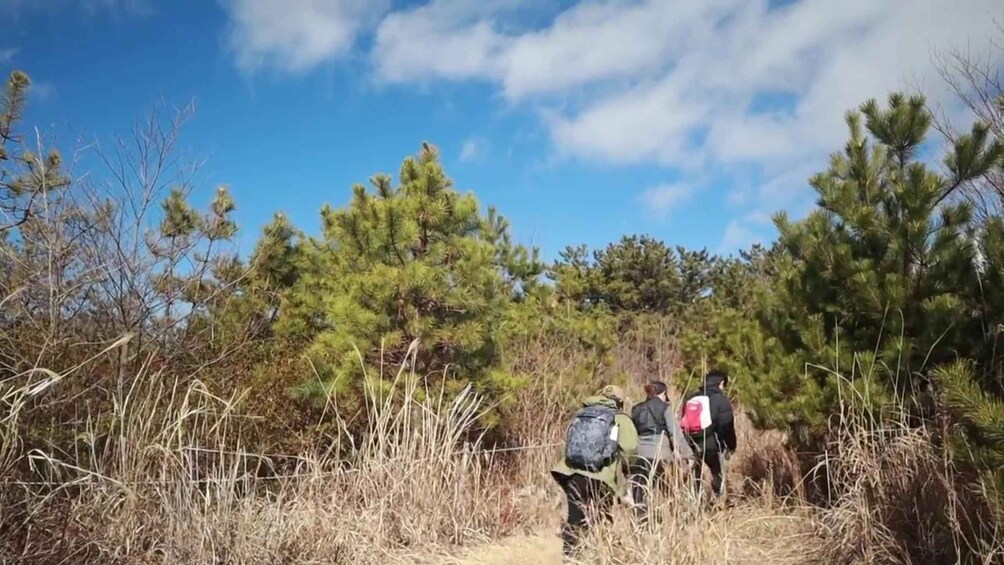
[691, 120]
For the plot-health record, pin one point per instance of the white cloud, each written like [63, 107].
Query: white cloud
[442, 39]
[705, 87]
[660, 200]
[297, 36]
[7, 55]
[673, 81]
[830, 57]
[649, 123]
[596, 41]
[590, 42]
[473, 148]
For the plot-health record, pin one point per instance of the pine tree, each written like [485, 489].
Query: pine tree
[978, 413]
[40, 227]
[275, 256]
[246, 299]
[697, 272]
[573, 276]
[188, 246]
[877, 286]
[972, 390]
[414, 262]
[733, 280]
[638, 274]
[25, 178]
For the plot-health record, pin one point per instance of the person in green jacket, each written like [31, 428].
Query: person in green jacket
[597, 485]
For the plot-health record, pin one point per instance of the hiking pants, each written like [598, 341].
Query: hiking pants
[716, 464]
[583, 494]
[645, 473]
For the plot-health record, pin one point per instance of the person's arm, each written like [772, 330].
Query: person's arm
[681, 447]
[725, 425]
[627, 437]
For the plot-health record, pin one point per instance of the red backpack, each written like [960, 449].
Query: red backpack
[696, 415]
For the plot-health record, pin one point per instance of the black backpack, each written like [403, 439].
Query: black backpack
[591, 440]
[649, 417]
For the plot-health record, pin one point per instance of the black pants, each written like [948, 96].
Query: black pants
[713, 459]
[583, 494]
[645, 474]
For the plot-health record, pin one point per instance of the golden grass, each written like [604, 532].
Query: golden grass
[164, 479]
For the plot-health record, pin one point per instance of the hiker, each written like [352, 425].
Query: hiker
[600, 442]
[660, 443]
[707, 421]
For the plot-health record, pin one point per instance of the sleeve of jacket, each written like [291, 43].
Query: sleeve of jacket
[680, 444]
[725, 425]
[627, 437]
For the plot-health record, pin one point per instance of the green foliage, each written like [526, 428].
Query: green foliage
[884, 281]
[194, 272]
[414, 262]
[888, 294]
[979, 416]
[638, 274]
[735, 281]
[249, 308]
[543, 318]
[25, 178]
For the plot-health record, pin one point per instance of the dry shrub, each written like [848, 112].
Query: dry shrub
[754, 530]
[765, 464]
[896, 497]
[649, 351]
[164, 479]
[557, 370]
[152, 490]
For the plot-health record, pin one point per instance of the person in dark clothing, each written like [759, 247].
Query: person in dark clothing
[715, 460]
[584, 494]
[708, 422]
[660, 444]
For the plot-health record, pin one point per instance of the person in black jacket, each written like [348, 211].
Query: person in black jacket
[708, 422]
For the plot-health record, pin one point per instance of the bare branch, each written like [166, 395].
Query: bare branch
[974, 78]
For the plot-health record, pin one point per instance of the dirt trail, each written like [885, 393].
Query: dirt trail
[519, 550]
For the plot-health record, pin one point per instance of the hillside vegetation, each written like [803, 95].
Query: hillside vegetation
[395, 387]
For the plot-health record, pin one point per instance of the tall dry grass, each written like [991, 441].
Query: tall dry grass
[164, 479]
[885, 490]
[896, 496]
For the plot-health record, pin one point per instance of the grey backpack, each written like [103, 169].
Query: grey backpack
[589, 445]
